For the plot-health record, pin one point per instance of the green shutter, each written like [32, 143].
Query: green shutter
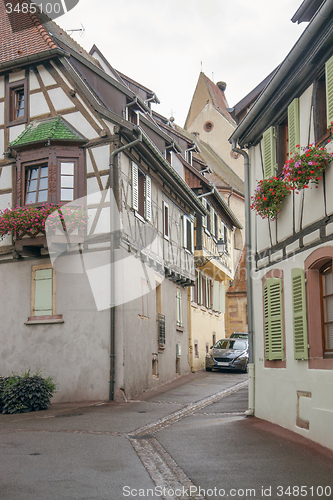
[135, 186]
[43, 292]
[329, 91]
[269, 152]
[273, 315]
[299, 314]
[222, 298]
[293, 127]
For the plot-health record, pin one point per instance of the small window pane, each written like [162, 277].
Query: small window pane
[329, 336]
[42, 196]
[43, 183]
[67, 181]
[67, 194]
[44, 171]
[67, 168]
[328, 283]
[32, 186]
[31, 198]
[33, 173]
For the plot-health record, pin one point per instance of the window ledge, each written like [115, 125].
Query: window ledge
[44, 320]
[180, 328]
[194, 304]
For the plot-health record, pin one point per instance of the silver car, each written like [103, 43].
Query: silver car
[229, 354]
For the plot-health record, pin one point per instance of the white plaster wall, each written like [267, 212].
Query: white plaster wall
[2, 144]
[16, 76]
[101, 155]
[59, 99]
[304, 118]
[6, 177]
[2, 87]
[2, 113]
[38, 105]
[276, 388]
[81, 124]
[45, 76]
[15, 131]
[33, 82]
[75, 353]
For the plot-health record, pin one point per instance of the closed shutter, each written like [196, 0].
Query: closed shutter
[43, 292]
[329, 91]
[135, 186]
[199, 284]
[148, 198]
[179, 308]
[222, 298]
[184, 234]
[216, 296]
[293, 127]
[212, 221]
[204, 217]
[269, 152]
[299, 314]
[273, 315]
[192, 237]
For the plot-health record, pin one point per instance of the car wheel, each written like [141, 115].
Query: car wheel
[246, 368]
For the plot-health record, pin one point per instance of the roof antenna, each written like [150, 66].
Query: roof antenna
[82, 31]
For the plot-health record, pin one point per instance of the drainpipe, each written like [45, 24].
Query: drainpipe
[113, 173]
[248, 257]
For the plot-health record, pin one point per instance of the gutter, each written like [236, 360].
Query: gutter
[41, 56]
[114, 181]
[251, 403]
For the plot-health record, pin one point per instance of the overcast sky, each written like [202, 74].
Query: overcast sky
[164, 44]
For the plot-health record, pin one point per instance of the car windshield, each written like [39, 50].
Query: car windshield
[239, 335]
[237, 344]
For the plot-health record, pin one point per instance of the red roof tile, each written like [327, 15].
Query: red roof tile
[219, 100]
[21, 34]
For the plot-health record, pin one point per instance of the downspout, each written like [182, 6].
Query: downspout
[248, 257]
[113, 173]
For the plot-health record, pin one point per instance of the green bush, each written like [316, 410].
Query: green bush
[22, 394]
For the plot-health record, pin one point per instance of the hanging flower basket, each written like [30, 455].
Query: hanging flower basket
[30, 221]
[307, 167]
[268, 197]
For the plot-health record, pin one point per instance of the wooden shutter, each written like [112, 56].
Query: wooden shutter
[43, 292]
[269, 152]
[293, 127]
[179, 308]
[212, 221]
[135, 186]
[216, 296]
[329, 91]
[299, 314]
[204, 217]
[273, 315]
[222, 298]
[148, 198]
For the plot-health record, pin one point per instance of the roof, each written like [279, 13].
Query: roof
[292, 78]
[306, 11]
[23, 33]
[51, 129]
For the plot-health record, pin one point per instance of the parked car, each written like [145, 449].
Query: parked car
[230, 354]
[239, 335]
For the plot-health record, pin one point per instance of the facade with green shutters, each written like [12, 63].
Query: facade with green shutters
[292, 284]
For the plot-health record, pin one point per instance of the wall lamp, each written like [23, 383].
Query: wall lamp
[202, 261]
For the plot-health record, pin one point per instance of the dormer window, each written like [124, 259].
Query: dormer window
[36, 184]
[17, 102]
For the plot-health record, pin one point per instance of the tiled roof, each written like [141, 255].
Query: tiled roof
[21, 35]
[219, 100]
[52, 129]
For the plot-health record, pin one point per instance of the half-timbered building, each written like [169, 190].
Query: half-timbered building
[101, 308]
[291, 276]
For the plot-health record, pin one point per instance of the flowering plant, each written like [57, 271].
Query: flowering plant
[268, 197]
[30, 220]
[307, 167]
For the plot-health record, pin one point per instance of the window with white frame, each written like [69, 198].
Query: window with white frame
[188, 234]
[179, 308]
[141, 193]
[166, 224]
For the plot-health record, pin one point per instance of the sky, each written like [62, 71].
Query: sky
[165, 44]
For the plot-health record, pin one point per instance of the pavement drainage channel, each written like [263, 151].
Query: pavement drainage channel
[161, 467]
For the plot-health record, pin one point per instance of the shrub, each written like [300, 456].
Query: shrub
[268, 197]
[26, 393]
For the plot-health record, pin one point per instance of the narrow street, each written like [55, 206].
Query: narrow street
[189, 439]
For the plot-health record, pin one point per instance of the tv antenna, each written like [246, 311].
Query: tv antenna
[80, 30]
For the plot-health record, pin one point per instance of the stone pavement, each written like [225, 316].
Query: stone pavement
[188, 439]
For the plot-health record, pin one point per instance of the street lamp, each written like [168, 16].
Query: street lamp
[202, 261]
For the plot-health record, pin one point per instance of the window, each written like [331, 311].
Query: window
[319, 298]
[179, 309]
[166, 220]
[49, 175]
[36, 184]
[188, 156]
[196, 349]
[43, 295]
[327, 307]
[141, 193]
[273, 319]
[188, 234]
[17, 102]
[282, 142]
[224, 235]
